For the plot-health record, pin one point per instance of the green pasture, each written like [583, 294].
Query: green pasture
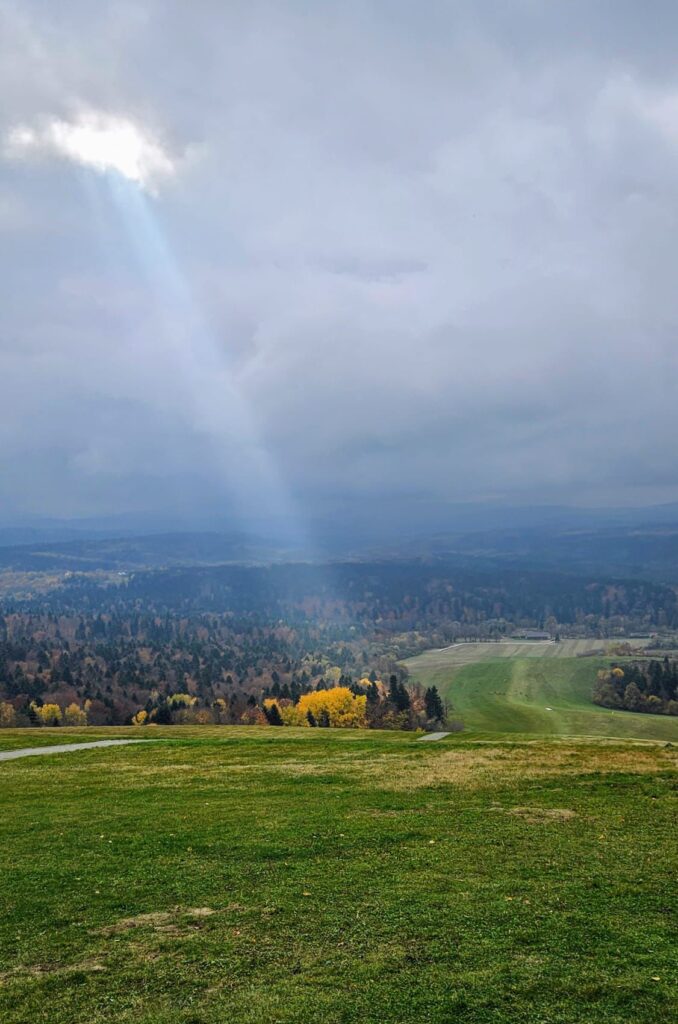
[541, 690]
[319, 877]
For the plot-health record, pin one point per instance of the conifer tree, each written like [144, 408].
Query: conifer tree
[434, 705]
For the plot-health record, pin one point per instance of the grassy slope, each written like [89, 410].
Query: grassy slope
[15, 739]
[510, 694]
[353, 877]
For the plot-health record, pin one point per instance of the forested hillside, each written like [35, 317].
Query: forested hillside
[650, 687]
[232, 633]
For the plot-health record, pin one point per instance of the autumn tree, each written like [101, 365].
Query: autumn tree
[633, 698]
[338, 706]
[75, 715]
[7, 715]
[47, 714]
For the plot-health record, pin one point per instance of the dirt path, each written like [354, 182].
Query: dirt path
[434, 736]
[62, 748]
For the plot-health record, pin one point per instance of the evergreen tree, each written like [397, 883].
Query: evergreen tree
[273, 715]
[163, 714]
[398, 695]
[434, 705]
[404, 702]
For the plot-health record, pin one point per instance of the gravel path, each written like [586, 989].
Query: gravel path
[434, 736]
[62, 748]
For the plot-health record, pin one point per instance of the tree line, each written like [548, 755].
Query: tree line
[649, 687]
[229, 634]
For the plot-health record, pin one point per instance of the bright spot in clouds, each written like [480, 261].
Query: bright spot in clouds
[101, 141]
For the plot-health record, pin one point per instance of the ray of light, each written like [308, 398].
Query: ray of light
[202, 375]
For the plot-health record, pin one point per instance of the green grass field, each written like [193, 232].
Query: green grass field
[516, 872]
[307, 876]
[507, 688]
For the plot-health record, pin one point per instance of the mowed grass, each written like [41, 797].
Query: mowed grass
[504, 688]
[17, 739]
[274, 875]
[468, 653]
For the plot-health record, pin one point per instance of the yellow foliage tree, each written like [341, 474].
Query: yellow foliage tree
[140, 717]
[75, 715]
[343, 709]
[182, 700]
[7, 715]
[292, 715]
[47, 714]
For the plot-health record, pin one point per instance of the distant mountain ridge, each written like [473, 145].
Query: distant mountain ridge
[647, 551]
[354, 528]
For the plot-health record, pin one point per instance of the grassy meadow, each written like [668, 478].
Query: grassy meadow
[520, 871]
[525, 689]
[281, 875]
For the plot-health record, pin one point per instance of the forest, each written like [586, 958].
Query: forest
[395, 595]
[650, 687]
[214, 643]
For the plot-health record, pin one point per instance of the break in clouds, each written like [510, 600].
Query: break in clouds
[287, 258]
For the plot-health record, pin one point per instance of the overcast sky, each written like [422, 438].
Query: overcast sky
[292, 257]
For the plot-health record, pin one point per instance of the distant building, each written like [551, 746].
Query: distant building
[531, 634]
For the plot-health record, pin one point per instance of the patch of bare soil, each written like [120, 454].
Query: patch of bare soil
[91, 966]
[539, 815]
[168, 922]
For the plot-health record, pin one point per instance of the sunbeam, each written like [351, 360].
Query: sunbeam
[203, 376]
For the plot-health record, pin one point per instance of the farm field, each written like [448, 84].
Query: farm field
[279, 875]
[531, 689]
[462, 654]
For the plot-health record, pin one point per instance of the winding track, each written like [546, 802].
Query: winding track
[62, 748]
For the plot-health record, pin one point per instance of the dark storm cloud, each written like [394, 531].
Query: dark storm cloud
[374, 250]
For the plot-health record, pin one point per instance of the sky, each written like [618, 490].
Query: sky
[304, 260]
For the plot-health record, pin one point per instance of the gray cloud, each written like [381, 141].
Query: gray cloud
[404, 252]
